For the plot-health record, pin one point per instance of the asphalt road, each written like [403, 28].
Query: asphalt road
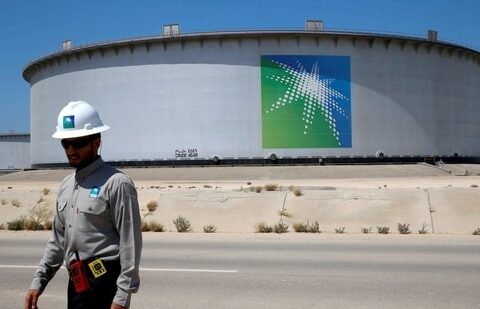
[276, 271]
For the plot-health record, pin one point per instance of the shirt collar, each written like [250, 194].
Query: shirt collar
[88, 170]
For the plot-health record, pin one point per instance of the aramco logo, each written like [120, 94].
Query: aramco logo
[306, 102]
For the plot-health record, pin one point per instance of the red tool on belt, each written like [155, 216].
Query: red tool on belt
[78, 274]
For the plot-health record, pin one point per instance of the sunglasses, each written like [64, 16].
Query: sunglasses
[77, 144]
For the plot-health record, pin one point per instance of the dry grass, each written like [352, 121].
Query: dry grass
[38, 218]
[262, 227]
[156, 226]
[284, 213]
[17, 224]
[297, 192]
[271, 187]
[152, 206]
[152, 226]
[307, 228]
[33, 225]
[46, 191]
[48, 224]
[257, 189]
[16, 203]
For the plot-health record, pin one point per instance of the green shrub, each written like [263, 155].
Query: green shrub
[17, 224]
[280, 228]
[263, 228]
[209, 229]
[340, 230]
[314, 228]
[423, 230]
[182, 224]
[403, 228]
[383, 229]
[366, 230]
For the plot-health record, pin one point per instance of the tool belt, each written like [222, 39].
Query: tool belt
[81, 272]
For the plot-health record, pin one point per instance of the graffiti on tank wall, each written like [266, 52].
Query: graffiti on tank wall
[306, 101]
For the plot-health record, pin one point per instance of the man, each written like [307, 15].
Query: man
[96, 229]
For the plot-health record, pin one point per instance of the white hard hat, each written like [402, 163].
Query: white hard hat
[78, 119]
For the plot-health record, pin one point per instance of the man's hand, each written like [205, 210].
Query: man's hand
[31, 299]
[117, 306]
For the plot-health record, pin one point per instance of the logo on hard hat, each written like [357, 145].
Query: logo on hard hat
[69, 122]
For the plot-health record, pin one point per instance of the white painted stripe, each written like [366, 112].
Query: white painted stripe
[228, 271]
[190, 270]
[18, 266]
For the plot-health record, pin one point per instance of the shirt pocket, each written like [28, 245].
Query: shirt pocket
[93, 207]
[61, 208]
[61, 204]
[94, 217]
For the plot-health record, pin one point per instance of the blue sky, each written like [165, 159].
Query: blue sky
[32, 28]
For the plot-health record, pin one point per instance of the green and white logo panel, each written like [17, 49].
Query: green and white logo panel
[306, 102]
[69, 122]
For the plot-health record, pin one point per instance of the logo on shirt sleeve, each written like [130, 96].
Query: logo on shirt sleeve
[94, 192]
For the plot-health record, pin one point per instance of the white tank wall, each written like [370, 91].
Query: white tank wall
[207, 96]
[14, 151]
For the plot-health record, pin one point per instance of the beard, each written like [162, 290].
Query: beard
[79, 163]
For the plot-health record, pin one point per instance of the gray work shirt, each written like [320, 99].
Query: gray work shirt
[97, 214]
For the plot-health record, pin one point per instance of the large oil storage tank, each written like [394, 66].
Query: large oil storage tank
[264, 94]
[14, 151]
